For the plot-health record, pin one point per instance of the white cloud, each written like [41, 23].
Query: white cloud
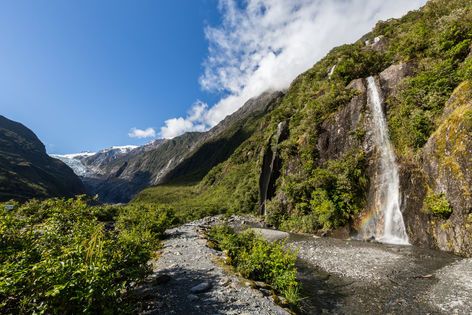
[195, 121]
[265, 44]
[142, 133]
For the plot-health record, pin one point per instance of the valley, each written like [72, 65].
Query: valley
[347, 192]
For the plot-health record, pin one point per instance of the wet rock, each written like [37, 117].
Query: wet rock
[266, 292]
[271, 165]
[224, 282]
[261, 284]
[447, 165]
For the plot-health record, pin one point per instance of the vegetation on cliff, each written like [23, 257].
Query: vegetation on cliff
[26, 171]
[314, 193]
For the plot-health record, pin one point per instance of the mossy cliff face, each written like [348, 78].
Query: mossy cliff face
[439, 176]
[447, 163]
[437, 188]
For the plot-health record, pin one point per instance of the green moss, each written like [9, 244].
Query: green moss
[452, 136]
[438, 205]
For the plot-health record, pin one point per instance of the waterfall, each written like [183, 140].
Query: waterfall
[387, 194]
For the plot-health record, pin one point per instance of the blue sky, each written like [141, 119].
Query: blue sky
[82, 74]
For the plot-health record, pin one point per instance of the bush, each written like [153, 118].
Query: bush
[438, 205]
[260, 260]
[64, 256]
[335, 192]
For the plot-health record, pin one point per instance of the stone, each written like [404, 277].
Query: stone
[192, 297]
[270, 235]
[200, 288]
[224, 282]
[391, 77]
[266, 292]
[261, 284]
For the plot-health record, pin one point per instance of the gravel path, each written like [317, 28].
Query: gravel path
[338, 277]
[187, 280]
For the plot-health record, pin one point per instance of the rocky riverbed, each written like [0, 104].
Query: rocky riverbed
[188, 279]
[353, 277]
[338, 277]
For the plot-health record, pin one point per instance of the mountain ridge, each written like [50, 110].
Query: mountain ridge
[26, 171]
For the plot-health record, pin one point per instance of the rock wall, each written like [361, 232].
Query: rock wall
[271, 165]
[444, 165]
[447, 163]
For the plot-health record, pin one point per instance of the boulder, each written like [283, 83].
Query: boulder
[270, 235]
[201, 288]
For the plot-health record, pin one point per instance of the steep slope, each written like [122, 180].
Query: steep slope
[184, 159]
[314, 156]
[26, 171]
[220, 142]
[123, 177]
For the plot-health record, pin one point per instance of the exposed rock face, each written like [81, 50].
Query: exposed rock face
[445, 166]
[271, 165]
[344, 130]
[26, 171]
[413, 189]
[217, 144]
[391, 77]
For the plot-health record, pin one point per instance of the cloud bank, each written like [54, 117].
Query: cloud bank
[195, 121]
[142, 133]
[265, 44]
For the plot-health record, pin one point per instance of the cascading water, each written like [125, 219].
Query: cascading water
[387, 197]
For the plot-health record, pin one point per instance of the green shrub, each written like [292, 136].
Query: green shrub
[335, 192]
[64, 256]
[300, 223]
[260, 260]
[438, 205]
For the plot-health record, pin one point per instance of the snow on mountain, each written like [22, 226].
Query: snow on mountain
[74, 162]
[120, 149]
[89, 163]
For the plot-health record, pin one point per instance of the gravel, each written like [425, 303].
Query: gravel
[453, 292]
[338, 277]
[198, 284]
[348, 261]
